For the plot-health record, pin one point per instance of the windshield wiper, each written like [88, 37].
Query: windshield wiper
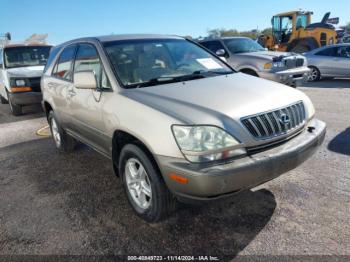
[167, 80]
[173, 79]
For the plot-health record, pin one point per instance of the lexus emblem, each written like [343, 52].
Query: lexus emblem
[284, 119]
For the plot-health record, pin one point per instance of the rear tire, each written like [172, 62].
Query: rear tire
[63, 141]
[315, 74]
[15, 109]
[149, 196]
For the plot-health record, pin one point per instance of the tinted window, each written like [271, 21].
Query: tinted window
[63, 68]
[52, 56]
[87, 59]
[327, 52]
[26, 56]
[343, 51]
[242, 45]
[213, 45]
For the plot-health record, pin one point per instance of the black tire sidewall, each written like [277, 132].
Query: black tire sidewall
[152, 213]
[16, 110]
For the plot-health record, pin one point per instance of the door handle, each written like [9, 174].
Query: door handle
[51, 85]
[71, 93]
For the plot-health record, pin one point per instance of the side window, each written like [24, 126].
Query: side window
[87, 59]
[343, 51]
[52, 56]
[63, 68]
[213, 45]
[326, 52]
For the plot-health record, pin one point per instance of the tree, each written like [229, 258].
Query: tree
[221, 32]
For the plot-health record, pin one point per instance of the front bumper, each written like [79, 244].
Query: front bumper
[26, 98]
[291, 77]
[211, 182]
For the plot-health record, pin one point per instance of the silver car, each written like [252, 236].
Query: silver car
[176, 122]
[329, 62]
[248, 56]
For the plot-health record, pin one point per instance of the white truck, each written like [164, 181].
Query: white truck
[21, 68]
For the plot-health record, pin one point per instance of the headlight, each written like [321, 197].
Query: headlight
[268, 66]
[20, 82]
[274, 64]
[206, 143]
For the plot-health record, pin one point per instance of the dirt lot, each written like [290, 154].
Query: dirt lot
[52, 203]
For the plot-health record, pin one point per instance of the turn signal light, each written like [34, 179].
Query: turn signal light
[21, 89]
[179, 179]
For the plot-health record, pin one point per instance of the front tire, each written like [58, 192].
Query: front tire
[315, 74]
[15, 109]
[63, 141]
[144, 186]
[3, 100]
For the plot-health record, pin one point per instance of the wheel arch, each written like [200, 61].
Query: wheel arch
[122, 138]
[249, 69]
[47, 108]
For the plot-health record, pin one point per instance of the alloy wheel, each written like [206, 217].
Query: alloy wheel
[138, 183]
[55, 132]
[313, 76]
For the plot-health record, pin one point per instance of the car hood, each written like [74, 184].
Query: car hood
[28, 71]
[268, 55]
[220, 100]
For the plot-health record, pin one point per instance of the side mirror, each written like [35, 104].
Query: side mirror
[85, 80]
[220, 52]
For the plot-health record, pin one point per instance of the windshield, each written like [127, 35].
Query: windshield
[146, 62]
[26, 56]
[242, 45]
[301, 21]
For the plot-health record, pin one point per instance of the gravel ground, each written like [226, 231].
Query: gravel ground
[72, 204]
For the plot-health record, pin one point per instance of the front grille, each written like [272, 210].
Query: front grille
[299, 62]
[270, 124]
[34, 83]
[292, 63]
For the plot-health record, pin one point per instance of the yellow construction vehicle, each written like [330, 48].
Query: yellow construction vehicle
[294, 32]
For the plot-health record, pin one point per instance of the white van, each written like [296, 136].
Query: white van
[21, 68]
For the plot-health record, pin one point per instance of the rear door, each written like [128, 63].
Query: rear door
[343, 60]
[59, 83]
[326, 61]
[85, 105]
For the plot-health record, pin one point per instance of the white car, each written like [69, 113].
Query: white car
[21, 68]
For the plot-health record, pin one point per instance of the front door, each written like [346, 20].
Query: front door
[85, 105]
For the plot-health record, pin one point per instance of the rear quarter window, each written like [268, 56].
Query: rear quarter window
[52, 56]
[64, 65]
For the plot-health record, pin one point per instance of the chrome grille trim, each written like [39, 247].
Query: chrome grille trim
[268, 124]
